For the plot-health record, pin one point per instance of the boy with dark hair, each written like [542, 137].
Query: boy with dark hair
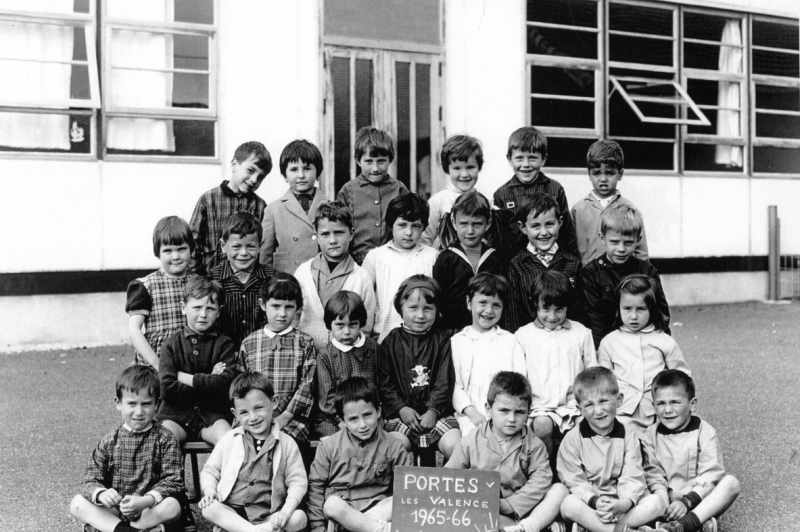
[133, 478]
[250, 165]
[541, 221]
[400, 258]
[505, 444]
[357, 498]
[367, 196]
[241, 277]
[605, 163]
[527, 153]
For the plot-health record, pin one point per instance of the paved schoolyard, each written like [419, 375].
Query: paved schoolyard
[54, 406]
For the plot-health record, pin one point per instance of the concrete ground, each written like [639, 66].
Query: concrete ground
[54, 407]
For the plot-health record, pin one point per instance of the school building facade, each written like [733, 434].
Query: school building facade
[114, 114]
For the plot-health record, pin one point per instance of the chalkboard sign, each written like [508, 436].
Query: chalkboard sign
[445, 500]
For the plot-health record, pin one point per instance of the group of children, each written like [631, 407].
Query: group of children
[529, 340]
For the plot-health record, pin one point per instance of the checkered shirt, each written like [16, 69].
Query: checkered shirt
[135, 463]
[211, 211]
[158, 297]
[289, 361]
[240, 314]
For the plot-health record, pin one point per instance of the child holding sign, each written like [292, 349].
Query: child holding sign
[504, 443]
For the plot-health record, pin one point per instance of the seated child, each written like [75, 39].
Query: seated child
[527, 153]
[539, 219]
[462, 160]
[367, 196]
[482, 350]
[621, 228]
[556, 350]
[358, 499]
[684, 451]
[332, 270]
[155, 301]
[605, 162]
[287, 356]
[415, 371]
[289, 237]
[250, 165]
[600, 461]
[638, 349]
[196, 369]
[255, 474]
[350, 353]
[505, 444]
[402, 257]
[241, 277]
[133, 477]
[467, 236]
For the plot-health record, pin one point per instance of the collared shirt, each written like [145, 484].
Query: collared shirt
[329, 282]
[367, 202]
[240, 314]
[546, 257]
[586, 219]
[211, 211]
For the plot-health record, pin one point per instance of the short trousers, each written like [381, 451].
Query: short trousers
[442, 426]
[637, 422]
[193, 420]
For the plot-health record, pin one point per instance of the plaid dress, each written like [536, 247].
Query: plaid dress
[289, 360]
[158, 297]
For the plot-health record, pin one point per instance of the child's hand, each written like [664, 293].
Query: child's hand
[606, 517]
[617, 507]
[278, 520]
[134, 504]
[475, 417]
[209, 496]
[282, 420]
[109, 498]
[675, 511]
[410, 417]
[219, 368]
[506, 508]
[428, 420]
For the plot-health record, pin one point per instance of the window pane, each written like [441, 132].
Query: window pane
[640, 50]
[550, 41]
[47, 6]
[778, 126]
[639, 19]
[775, 64]
[712, 158]
[422, 90]
[779, 98]
[566, 12]
[777, 160]
[415, 21]
[567, 152]
[363, 93]
[774, 35]
[151, 10]
[190, 138]
[190, 52]
[703, 26]
[403, 122]
[195, 11]
[648, 155]
[562, 81]
[562, 113]
[724, 122]
[340, 77]
[53, 133]
[625, 122]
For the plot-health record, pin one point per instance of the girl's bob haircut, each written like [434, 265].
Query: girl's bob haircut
[552, 288]
[282, 286]
[428, 286]
[171, 231]
[345, 303]
[640, 284]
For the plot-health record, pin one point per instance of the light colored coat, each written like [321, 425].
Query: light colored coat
[440, 204]
[586, 218]
[289, 235]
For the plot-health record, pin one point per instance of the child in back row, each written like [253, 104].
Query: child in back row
[367, 197]
[482, 350]
[605, 162]
[241, 277]
[462, 160]
[540, 220]
[638, 349]
[402, 257]
[155, 301]
[504, 443]
[350, 353]
[621, 229]
[250, 165]
[332, 270]
[352, 476]
[463, 235]
[289, 237]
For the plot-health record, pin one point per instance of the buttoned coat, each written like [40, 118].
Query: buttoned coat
[289, 236]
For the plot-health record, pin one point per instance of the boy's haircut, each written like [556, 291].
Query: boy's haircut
[300, 150]
[282, 286]
[471, 203]
[251, 380]
[527, 139]
[200, 287]
[410, 207]
[242, 223]
[373, 142]
[345, 303]
[136, 379]
[171, 231]
[606, 152]
[429, 287]
[594, 378]
[488, 284]
[553, 288]
[512, 384]
[674, 378]
[257, 150]
[353, 390]
[623, 219]
[461, 148]
[641, 284]
[334, 212]
[537, 204]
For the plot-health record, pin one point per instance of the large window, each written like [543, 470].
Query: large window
[670, 83]
[116, 79]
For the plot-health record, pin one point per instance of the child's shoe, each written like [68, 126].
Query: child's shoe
[383, 526]
[710, 525]
[86, 528]
[577, 528]
[557, 526]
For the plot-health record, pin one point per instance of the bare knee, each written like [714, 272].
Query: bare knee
[543, 426]
[333, 507]
[170, 509]
[732, 485]
[402, 439]
[558, 490]
[571, 506]
[77, 506]
[297, 522]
